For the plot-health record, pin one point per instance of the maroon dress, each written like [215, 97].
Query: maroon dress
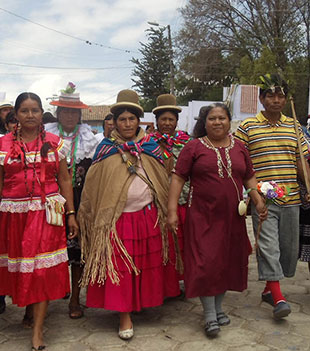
[216, 245]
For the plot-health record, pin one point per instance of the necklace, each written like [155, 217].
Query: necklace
[71, 156]
[27, 166]
[242, 206]
[220, 162]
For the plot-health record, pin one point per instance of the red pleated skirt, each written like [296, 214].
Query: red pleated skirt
[172, 277]
[142, 239]
[33, 258]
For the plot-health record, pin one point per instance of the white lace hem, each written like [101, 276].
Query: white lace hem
[40, 261]
[26, 204]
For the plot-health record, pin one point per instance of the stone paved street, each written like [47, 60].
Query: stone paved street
[177, 325]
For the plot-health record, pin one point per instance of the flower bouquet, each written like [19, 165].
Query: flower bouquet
[270, 191]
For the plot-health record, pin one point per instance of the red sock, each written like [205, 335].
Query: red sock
[276, 293]
[267, 289]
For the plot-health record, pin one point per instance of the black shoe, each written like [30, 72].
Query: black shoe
[281, 310]
[212, 328]
[222, 318]
[268, 298]
[2, 304]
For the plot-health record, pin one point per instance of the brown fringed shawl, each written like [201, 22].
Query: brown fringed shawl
[103, 199]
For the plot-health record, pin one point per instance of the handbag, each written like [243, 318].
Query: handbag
[54, 205]
[55, 210]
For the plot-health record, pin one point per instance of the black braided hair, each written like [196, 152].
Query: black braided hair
[46, 145]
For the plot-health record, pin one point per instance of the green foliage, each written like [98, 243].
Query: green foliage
[225, 41]
[151, 72]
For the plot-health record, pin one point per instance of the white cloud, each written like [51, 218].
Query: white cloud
[117, 23]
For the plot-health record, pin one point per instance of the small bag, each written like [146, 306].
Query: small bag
[55, 210]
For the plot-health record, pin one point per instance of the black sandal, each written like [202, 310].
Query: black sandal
[212, 328]
[40, 348]
[28, 321]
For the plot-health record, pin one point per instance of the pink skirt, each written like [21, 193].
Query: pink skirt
[144, 244]
[172, 277]
[33, 258]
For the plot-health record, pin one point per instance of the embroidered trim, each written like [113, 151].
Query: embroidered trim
[40, 261]
[190, 196]
[219, 157]
[22, 205]
[62, 149]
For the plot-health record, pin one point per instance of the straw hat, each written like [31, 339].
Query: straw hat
[68, 98]
[6, 103]
[166, 102]
[127, 98]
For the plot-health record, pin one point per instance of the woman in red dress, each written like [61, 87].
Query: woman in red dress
[216, 245]
[33, 253]
[171, 142]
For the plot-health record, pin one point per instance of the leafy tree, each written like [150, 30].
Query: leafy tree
[152, 71]
[223, 41]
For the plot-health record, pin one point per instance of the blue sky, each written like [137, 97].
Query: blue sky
[99, 72]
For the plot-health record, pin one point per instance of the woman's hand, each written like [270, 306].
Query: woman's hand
[307, 197]
[172, 221]
[261, 210]
[73, 227]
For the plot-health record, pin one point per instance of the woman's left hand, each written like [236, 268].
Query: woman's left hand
[261, 210]
[73, 227]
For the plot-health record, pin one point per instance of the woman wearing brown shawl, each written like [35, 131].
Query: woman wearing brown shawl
[122, 215]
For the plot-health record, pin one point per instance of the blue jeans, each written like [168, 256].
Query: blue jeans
[278, 242]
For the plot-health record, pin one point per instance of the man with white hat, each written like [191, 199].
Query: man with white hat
[5, 108]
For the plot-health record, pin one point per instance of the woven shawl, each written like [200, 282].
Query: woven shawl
[103, 199]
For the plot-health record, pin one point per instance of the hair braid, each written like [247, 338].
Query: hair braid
[45, 144]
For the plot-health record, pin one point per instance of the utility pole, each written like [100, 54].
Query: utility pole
[171, 61]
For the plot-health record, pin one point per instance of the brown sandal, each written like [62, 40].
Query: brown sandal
[75, 312]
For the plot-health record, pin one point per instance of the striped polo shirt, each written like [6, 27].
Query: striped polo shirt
[274, 151]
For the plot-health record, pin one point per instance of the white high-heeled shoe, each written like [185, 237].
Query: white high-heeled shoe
[126, 334]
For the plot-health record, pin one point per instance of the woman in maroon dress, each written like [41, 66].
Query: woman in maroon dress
[216, 245]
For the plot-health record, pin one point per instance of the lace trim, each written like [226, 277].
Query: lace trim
[87, 143]
[40, 261]
[26, 204]
[219, 157]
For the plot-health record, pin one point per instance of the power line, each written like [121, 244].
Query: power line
[21, 44]
[66, 34]
[66, 68]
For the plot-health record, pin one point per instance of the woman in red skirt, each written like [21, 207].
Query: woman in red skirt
[33, 253]
[122, 218]
[171, 142]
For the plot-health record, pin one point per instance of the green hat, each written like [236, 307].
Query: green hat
[272, 82]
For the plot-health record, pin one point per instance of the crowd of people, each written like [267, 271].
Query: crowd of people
[135, 213]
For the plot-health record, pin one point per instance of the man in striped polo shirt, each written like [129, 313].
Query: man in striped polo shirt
[271, 140]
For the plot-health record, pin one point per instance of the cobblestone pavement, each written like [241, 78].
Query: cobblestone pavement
[177, 325]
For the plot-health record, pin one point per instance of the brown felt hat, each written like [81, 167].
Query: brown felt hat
[127, 98]
[166, 102]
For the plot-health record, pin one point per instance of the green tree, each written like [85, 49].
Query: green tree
[223, 41]
[152, 70]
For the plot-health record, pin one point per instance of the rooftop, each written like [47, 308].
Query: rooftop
[95, 113]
